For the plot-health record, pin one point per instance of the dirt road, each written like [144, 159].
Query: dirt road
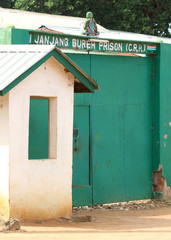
[108, 224]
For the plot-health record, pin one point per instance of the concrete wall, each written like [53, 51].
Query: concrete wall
[41, 189]
[4, 156]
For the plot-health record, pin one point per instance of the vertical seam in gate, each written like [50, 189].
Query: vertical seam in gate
[90, 146]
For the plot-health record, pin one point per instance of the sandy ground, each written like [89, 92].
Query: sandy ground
[106, 224]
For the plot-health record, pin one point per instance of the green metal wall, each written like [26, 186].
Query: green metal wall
[120, 126]
[165, 110]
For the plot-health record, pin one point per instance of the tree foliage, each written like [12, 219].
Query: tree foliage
[140, 16]
[7, 3]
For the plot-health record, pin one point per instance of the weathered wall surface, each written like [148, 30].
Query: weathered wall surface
[160, 187]
[4, 155]
[41, 189]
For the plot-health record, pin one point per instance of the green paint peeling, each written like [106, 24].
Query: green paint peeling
[99, 137]
[108, 163]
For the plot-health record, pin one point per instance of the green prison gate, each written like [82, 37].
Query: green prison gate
[112, 142]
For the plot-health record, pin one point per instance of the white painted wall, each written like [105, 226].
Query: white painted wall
[4, 156]
[41, 189]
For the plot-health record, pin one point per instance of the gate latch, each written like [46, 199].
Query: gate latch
[75, 138]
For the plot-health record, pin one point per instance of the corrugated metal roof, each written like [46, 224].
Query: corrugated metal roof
[17, 59]
[108, 34]
[133, 36]
[104, 34]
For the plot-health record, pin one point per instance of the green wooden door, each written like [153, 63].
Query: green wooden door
[38, 129]
[82, 191]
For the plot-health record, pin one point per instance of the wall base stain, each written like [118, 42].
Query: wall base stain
[26, 213]
[4, 207]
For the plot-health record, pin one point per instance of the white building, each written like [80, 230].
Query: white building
[36, 125]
